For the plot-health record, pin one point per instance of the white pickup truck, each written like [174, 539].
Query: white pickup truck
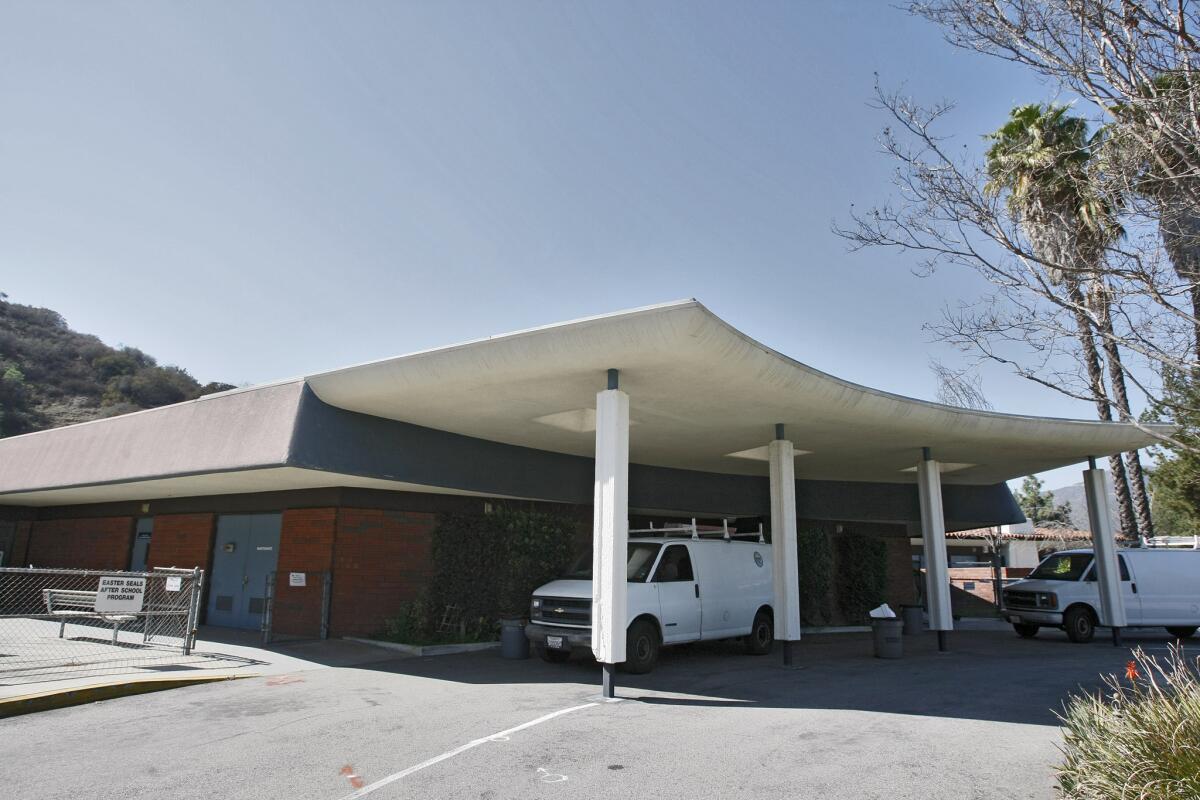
[680, 590]
[1160, 587]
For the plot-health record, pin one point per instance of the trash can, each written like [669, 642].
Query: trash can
[913, 620]
[513, 643]
[889, 642]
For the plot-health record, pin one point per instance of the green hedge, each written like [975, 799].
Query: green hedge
[861, 578]
[815, 555]
[487, 566]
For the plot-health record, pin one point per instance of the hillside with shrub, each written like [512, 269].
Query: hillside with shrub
[51, 375]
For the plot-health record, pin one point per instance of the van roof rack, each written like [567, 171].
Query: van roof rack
[1188, 542]
[694, 531]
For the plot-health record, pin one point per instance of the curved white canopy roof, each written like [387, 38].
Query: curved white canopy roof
[700, 392]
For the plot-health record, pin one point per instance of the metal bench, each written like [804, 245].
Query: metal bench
[68, 604]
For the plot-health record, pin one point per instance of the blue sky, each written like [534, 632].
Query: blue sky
[255, 190]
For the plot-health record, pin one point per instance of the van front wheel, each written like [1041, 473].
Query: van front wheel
[1079, 624]
[762, 635]
[641, 647]
[554, 656]
[1182, 633]
[1025, 630]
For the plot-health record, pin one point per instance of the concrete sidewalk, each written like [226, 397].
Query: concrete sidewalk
[103, 670]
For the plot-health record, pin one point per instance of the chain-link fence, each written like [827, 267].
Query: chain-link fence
[63, 622]
[297, 605]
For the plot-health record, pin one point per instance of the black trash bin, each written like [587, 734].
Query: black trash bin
[513, 643]
[913, 619]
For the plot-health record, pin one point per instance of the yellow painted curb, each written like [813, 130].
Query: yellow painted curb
[78, 695]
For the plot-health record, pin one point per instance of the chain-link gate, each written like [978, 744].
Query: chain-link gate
[297, 605]
[62, 622]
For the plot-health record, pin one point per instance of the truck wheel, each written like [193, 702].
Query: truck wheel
[1026, 630]
[1079, 624]
[641, 647]
[1182, 633]
[762, 634]
[554, 656]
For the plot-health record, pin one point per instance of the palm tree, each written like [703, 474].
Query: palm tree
[1153, 143]
[1099, 298]
[1179, 226]
[1041, 158]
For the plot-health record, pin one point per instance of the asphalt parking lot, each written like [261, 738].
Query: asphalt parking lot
[977, 722]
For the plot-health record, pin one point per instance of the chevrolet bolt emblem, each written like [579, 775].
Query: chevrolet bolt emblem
[559, 610]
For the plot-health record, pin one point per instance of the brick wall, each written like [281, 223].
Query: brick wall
[380, 559]
[184, 541]
[976, 582]
[8, 538]
[306, 544]
[99, 543]
[901, 587]
[14, 541]
[24, 531]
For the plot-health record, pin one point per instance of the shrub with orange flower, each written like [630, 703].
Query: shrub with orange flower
[1138, 738]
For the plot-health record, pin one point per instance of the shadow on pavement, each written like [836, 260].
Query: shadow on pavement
[992, 676]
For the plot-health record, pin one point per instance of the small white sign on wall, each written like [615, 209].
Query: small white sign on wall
[120, 595]
[296, 579]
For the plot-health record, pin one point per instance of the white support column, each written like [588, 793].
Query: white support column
[785, 574]
[610, 530]
[933, 535]
[1108, 577]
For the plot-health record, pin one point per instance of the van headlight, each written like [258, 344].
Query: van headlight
[1047, 600]
[535, 605]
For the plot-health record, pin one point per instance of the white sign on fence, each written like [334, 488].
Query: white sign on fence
[120, 595]
[296, 579]
[174, 584]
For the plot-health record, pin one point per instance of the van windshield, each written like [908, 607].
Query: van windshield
[1062, 567]
[641, 559]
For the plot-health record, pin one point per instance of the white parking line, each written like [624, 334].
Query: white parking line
[495, 737]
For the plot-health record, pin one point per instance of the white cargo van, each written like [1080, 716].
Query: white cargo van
[680, 590]
[1160, 586]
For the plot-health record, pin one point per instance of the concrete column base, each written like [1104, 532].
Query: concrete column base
[608, 683]
[788, 653]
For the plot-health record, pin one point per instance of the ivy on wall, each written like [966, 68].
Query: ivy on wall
[861, 578]
[815, 555]
[485, 566]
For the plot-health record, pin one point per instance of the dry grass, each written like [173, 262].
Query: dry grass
[1139, 737]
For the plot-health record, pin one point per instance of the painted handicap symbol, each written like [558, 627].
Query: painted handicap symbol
[550, 777]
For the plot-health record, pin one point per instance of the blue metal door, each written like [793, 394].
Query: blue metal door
[261, 558]
[228, 569]
[247, 548]
[141, 544]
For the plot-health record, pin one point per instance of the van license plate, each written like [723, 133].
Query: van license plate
[554, 642]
